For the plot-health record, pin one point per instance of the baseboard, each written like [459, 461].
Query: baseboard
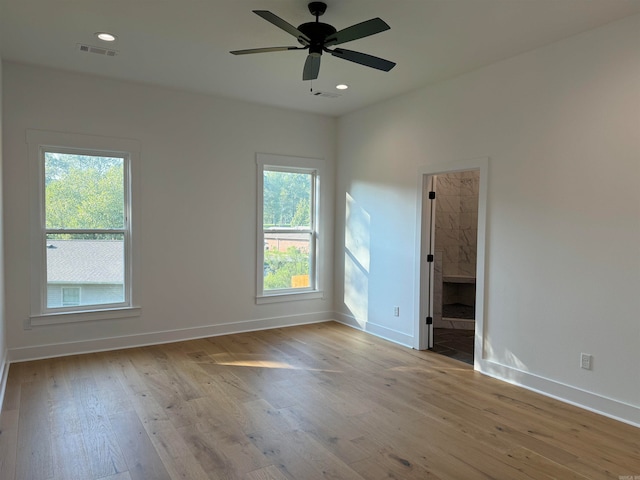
[4, 375]
[37, 352]
[593, 402]
[374, 329]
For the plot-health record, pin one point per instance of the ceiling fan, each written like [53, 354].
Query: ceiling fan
[317, 37]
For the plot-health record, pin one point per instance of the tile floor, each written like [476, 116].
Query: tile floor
[455, 343]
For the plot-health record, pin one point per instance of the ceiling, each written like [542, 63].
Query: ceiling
[185, 44]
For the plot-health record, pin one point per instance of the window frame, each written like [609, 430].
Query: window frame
[289, 164]
[39, 142]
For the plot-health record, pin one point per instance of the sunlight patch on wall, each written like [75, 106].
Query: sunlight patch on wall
[357, 260]
[506, 357]
[357, 232]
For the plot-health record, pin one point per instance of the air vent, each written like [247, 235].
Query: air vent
[325, 94]
[97, 50]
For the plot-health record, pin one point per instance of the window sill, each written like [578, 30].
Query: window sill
[83, 316]
[289, 297]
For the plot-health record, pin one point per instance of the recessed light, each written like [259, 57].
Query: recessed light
[342, 86]
[106, 37]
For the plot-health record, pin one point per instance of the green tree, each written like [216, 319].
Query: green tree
[280, 267]
[84, 193]
[282, 194]
[58, 165]
[302, 217]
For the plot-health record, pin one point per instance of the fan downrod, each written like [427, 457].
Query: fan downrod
[317, 9]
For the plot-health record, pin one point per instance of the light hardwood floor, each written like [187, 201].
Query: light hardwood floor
[313, 402]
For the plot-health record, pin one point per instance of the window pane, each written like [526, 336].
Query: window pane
[287, 199]
[96, 265]
[286, 260]
[83, 192]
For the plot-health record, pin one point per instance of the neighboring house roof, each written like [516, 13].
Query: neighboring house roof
[85, 261]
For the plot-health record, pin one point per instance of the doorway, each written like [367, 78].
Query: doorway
[452, 222]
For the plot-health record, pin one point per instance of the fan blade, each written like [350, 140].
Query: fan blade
[363, 59]
[311, 68]
[265, 50]
[354, 32]
[280, 23]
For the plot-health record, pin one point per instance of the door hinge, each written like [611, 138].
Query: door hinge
[429, 320]
[430, 258]
[432, 195]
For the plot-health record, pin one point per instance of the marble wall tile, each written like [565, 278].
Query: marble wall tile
[448, 185]
[467, 254]
[465, 268]
[450, 255]
[446, 237]
[468, 237]
[448, 203]
[467, 187]
[447, 220]
[470, 183]
[457, 221]
[466, 220]
[450, 268]
[469, 204]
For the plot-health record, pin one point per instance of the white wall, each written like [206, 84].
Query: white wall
[198, 199]
[561, 126]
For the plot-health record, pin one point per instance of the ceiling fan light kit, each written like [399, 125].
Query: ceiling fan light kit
[316, 37]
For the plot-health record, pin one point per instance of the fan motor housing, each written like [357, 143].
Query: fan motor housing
[317, 31]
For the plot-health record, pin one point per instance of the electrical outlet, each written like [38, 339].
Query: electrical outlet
[585, 361]
[396, 311]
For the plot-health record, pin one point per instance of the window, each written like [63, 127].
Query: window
[288, 234]
[81, 228]
[70, 296]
